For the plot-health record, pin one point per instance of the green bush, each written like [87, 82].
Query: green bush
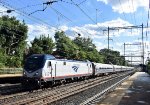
[2, 65]
[2, 59]
[13, 61]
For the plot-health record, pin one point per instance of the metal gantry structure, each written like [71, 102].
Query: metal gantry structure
[129, 27]
[132, 54]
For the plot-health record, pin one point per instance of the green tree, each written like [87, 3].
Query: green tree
[13, 34]
[113, 57]
[42, 45]
[86, 45]
[65, 47]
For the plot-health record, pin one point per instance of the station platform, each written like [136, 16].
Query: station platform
[134, 91]
[10, 78]
[10, 75]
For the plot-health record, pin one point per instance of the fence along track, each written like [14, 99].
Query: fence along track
[50, 96]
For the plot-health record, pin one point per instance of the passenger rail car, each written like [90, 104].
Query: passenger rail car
[103, 68]
[42, 69]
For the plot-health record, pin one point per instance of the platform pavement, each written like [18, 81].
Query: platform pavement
[10, 75]
[134, 91]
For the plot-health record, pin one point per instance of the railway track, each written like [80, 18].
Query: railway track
[7, 89]
[51, 95]
[96, 98]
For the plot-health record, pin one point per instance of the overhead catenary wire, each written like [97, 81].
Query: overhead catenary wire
[77, 5]
[49, 3]
[60, 13]
[65, 1]
[82, 2]
[122, 10]
[44, 8]
[147, 21]
[28, 6]
[130, 12]
[86, 15]
[23, 13]
[6, 5]
[133, 12]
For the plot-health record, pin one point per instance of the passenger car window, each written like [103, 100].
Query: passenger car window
[64, 63]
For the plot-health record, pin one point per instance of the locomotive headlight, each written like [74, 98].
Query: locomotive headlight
[24, 73]
[36, 74]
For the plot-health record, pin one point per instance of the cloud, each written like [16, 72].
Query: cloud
[115, 23]
[96, 31]
[99, 45]
[126, 6]
[35, 30]
[63, 28]
[88, 30]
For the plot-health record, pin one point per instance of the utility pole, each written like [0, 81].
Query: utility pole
[131, 58]
[96, 16]
[124, 53]
[108, 38]
[142, 46]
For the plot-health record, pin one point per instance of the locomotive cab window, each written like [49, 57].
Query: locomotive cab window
[49, 64]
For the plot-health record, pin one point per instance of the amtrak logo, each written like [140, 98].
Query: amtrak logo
[75, 68]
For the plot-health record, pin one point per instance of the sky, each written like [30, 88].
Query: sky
[90, 18]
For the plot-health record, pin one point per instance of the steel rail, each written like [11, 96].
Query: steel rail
[51, 95]
[101, 94]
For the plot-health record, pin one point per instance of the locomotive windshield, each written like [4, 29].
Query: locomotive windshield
[34, 63]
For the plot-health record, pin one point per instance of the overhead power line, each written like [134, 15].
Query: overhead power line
[44, 7]
[60, 14]
[130, 9]
[28, 6]
[148, 20]
[46, 4]
[82, 2]
[23, 13]
[133, 12]
[77, 5]
[122, 10]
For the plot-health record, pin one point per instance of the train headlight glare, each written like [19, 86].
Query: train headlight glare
[24, 73]
[36, 74]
